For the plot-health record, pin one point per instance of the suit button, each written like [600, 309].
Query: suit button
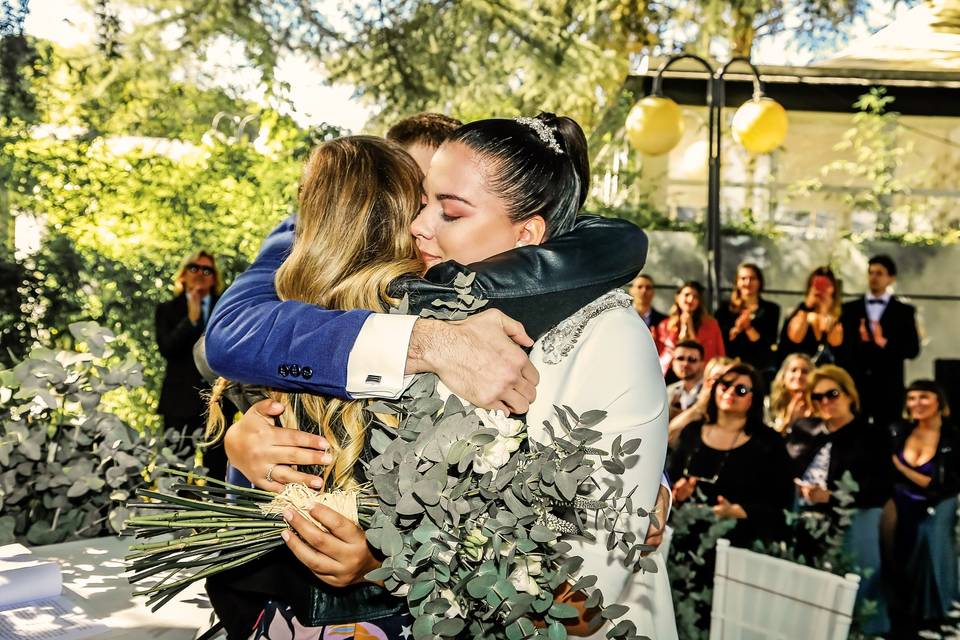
[283, 371]
[294, 370]
[307, 373]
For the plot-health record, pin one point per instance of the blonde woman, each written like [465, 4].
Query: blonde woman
[832, 442]
[788, 394]
[716, 368]
[179, 322]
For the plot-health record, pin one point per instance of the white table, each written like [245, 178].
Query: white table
[92, 580]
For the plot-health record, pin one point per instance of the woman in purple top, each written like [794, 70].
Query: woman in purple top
[920, 558]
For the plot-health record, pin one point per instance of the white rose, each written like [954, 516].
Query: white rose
[454, 610]
[506, 426]
[522, 580]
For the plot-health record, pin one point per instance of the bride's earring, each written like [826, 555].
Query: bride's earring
[519, 244]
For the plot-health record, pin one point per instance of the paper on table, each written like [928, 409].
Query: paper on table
[56, 618]
[25, 577]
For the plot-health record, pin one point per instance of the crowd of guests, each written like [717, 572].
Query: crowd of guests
[769, 422]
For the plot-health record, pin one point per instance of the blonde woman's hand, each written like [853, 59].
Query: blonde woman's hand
[339, 556]
[266, 454]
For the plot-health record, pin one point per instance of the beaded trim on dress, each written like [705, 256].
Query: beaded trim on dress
[560, 341]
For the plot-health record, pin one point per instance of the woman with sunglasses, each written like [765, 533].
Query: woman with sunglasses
[833, 442]
[724, 454]
[920, 556]
[179, 324]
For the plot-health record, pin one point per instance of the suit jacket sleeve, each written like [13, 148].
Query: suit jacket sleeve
[252, 332]
[175, 333]
[906, 341]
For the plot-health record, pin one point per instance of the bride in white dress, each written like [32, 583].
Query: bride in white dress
[602, 357]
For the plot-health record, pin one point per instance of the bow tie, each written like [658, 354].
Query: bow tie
[876, 301]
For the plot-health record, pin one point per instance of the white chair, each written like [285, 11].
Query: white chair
[760, 597]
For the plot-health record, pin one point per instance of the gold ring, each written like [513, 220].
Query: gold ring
[269, 475]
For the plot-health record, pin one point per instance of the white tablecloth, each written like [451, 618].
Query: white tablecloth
[92, 580]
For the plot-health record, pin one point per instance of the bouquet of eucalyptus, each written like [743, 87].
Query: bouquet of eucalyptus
[468, 511]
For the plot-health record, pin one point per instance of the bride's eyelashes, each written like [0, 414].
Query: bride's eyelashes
[448, 218]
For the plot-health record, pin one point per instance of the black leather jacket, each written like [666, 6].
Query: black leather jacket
[539, 286]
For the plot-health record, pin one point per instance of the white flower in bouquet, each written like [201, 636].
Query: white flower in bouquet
[495, 454]
[522, 577]
[454, 611]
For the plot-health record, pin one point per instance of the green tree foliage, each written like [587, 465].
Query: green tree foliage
[478, 58]
[120, 221]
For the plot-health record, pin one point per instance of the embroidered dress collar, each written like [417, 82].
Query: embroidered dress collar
[560, 341]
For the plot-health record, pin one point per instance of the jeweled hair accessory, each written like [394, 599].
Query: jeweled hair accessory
[543, 131]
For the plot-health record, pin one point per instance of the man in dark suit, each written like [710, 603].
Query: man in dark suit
[642, 289]
[879, 334]
[180, 323]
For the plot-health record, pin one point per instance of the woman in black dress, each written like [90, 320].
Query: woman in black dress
[749, 323]
[735, 460]
[920, 556]
[814, 326]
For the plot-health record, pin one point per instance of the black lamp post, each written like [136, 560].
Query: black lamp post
[715, 100]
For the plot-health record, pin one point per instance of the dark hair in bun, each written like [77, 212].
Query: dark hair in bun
[539, 166]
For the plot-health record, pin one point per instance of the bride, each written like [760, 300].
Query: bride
[495, 185]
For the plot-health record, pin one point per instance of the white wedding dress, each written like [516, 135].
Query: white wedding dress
[604, 357]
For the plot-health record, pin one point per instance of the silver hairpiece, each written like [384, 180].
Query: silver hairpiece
[543, 131]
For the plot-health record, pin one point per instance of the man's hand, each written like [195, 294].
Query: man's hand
[655, 534]
[339, 556]
[479, 359]
[256, 447]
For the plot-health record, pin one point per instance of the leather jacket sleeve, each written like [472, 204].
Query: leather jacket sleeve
[539, 286]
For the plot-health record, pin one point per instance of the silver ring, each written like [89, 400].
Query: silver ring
[269, 475]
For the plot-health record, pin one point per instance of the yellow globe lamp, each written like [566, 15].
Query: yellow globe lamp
[655, 125]
[760, 125]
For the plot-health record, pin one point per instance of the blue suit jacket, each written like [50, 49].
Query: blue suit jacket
[254, 338]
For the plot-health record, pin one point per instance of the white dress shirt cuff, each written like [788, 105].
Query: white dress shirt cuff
[379, 356]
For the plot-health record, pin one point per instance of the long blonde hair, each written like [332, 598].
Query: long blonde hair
[780, 396]
[358, 196]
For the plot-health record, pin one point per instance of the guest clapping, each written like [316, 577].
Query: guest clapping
[642, 290]
[179, 324]
[788, 397]
[737, 462]
[688, 320]
[749, 323]
[814, 327]
[920, 560]
[880, 333]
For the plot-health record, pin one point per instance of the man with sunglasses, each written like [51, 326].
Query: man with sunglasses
[687, 365]
[179, 324]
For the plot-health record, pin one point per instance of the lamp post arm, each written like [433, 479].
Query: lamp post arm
[757, 82]
[658, 79]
